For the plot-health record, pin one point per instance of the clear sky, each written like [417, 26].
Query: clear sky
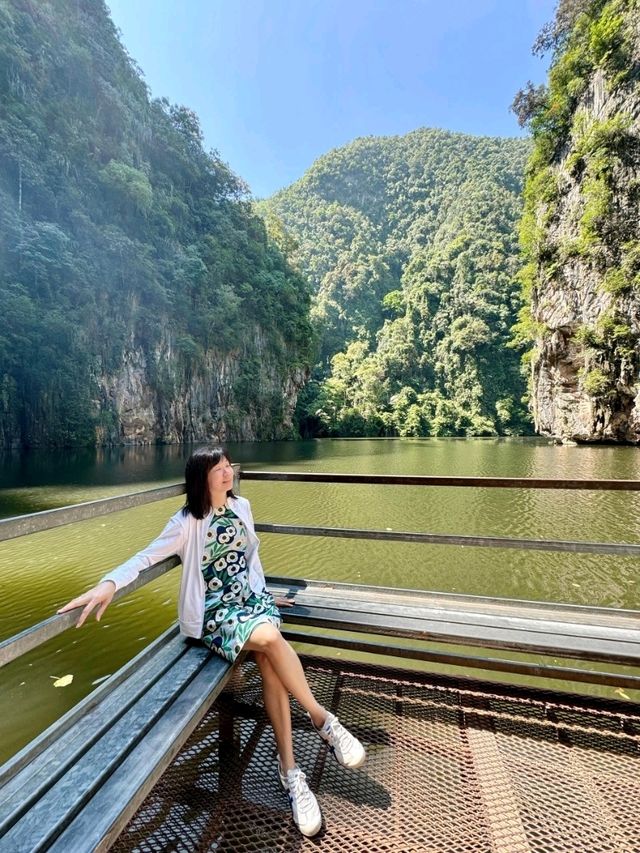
[277, 83]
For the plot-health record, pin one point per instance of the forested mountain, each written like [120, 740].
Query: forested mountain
[145, 298]
[141, 297]
[581, 227]
[412, 250]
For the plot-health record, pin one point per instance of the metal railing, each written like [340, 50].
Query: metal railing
[37, 522]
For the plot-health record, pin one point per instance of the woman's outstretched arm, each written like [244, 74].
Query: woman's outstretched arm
[169, 542]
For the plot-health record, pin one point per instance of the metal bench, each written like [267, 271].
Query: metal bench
[83, 778]
[75, 786]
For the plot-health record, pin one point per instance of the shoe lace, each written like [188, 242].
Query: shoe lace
[300, 790]
[338, 734]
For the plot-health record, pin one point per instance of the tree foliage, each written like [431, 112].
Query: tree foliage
[410, 246]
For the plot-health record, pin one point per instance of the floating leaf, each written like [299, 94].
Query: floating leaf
[621, 692]
[65, 681]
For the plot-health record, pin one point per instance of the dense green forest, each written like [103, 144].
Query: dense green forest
[123, 241]
[412, 250]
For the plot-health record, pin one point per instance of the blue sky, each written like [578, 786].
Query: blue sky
[277, 83]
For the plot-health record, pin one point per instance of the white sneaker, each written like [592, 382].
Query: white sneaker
[304, 806]
[347, 749]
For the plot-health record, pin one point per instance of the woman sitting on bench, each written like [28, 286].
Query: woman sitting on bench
[224, 603]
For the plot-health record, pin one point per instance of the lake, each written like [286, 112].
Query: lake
[43, 571]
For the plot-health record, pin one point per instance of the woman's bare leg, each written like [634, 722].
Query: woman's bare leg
[276, 701]
[286, 664]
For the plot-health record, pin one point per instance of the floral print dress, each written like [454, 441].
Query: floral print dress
[231, 608]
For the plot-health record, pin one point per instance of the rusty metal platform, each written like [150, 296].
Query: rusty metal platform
[453, 766]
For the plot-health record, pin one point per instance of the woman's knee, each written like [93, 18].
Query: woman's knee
[265, 638]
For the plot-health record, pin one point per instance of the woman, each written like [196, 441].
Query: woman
[224, 602]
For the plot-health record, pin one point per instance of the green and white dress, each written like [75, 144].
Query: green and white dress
[231, 608]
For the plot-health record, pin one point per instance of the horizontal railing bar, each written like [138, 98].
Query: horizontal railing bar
[420, 480]
[620, 549]
[36, 522]
[565, 673]
[36, 635]
[15, 646]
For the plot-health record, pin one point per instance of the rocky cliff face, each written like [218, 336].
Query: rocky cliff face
[151, 400]
[586, 294]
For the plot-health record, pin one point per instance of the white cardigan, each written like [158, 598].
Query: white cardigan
[185, 536]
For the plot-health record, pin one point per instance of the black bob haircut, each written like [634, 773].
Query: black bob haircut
[199, 464]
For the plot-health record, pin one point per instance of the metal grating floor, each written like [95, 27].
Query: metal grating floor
[452, 767]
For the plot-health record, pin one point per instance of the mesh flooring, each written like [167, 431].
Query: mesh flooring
[451, 767]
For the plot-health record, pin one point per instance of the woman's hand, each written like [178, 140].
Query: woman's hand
[282, 601]
[100, 596]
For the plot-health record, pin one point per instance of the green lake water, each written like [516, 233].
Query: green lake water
[43, 571]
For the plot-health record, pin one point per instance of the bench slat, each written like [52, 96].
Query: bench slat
[64, 800]
[452, 615]
[570, 631]
[473, 603]
[29, 752]
[97, 826]
[461, 634]
[466, 661]
[64, 751]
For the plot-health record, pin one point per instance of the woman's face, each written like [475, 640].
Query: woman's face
[220, 477]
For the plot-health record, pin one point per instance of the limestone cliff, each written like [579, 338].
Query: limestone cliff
[581, 229]
[145, 403]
